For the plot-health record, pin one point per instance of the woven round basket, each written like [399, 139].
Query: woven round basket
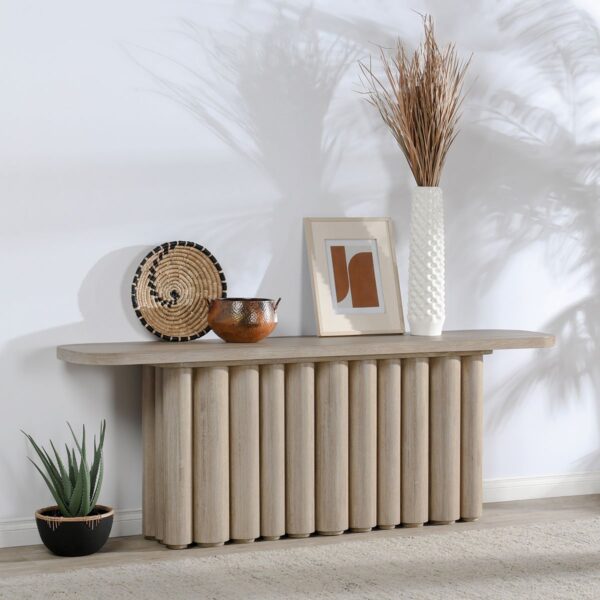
[171, 287]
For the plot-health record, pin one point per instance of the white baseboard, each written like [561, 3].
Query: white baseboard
[23, 532]
[551, 486]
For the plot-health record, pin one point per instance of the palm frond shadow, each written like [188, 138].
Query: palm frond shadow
[267, 95]
[534, 182]
[557, 203]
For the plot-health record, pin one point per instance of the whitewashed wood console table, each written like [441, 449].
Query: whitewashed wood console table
[301, 435]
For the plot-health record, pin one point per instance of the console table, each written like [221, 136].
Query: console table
[296, 435]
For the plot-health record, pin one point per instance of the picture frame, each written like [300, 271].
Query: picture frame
[356, 289]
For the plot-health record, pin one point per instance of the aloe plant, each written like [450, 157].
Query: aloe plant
[74, 485]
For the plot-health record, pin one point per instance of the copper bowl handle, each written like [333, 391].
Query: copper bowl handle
[276, 304]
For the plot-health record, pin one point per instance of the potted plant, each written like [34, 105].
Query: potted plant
[76, 525]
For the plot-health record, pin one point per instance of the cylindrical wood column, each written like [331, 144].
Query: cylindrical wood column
[177, 428]
[388, 443]
[272, 451]
[300, 449]
[363, 444]
[444, 439]
[415, 441]
[148, 458]
[471, 446]
[331, 416]
[211, 455]
[159, 457]
[244, 453]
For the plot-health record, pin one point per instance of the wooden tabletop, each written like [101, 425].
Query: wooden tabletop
[297, 349]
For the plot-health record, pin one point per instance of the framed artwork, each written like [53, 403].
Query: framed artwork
[354, 276]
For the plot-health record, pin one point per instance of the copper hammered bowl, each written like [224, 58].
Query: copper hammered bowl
[242, 320]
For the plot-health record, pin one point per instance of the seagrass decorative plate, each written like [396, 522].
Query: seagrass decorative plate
[171, 287]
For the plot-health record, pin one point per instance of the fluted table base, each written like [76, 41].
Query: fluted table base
[250, 452]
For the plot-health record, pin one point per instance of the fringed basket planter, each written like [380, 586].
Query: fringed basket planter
[74, 536]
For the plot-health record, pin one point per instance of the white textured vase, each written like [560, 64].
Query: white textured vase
[426, 268]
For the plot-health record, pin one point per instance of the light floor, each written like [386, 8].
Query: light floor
[127, 550]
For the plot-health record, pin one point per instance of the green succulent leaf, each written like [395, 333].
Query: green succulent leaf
[59, 501]
[72, 467]
[84, 508]
[98, 483]
[75, 486]
[50, 471]
[97, 456]
[75, 500]
[75, 437]
[64, 475]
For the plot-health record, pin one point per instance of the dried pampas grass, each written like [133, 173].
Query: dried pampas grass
[419, 99]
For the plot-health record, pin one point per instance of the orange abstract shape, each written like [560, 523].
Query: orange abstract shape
[340, 272]
[362, 281]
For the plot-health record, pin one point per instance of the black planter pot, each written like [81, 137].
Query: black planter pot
[74, 536]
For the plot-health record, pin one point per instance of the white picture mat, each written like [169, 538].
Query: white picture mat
[328, 321]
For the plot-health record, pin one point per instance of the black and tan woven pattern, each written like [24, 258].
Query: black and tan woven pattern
[170, 289]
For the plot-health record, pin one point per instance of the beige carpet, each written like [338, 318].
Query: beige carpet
[560, 560]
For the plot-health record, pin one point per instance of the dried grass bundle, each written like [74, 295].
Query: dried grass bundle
[420, 100]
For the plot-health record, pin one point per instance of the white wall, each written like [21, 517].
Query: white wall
[101, 160]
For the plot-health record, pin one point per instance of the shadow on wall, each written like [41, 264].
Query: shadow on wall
[32, 358]
[366, 37]
[546, 163]
[267, 96]
[558, 202]
[522, 174]
[533, 177]
[533, 180]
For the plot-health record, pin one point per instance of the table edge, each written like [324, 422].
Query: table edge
[239, 354]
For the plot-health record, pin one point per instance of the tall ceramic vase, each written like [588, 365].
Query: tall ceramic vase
[426, 276]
